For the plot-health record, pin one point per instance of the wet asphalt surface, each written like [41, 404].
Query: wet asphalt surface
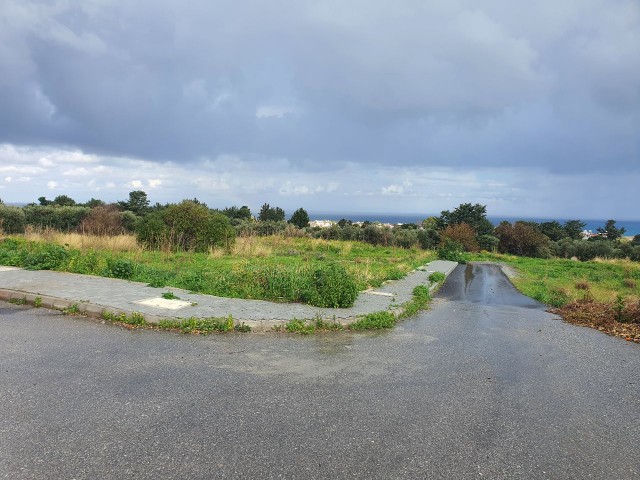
[483, 385]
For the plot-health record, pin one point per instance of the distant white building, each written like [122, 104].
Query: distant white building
[321, 223]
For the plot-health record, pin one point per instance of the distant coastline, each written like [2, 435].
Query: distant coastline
[632, 227]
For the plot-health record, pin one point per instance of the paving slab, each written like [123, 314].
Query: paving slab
[95, 294]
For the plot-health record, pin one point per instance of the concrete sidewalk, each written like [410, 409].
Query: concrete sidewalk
[93, 295]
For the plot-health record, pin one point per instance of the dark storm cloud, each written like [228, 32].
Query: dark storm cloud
[455, 83]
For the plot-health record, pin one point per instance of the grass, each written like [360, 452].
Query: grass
[268, 268]
[170, 296]
[373, 321]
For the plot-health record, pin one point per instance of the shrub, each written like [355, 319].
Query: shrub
[462, 233]
[405, 238]
[428, 238]
[120, 268]
[488, 242]
[104, 220]
[333, 287]
[45, 257]
[522, 239]
[187, 226]
[451, 250]
[377, 235]
[12, 219]
[65, 218]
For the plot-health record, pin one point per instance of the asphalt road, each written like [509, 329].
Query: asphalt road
[473, 388]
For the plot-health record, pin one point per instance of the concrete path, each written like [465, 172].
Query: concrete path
[96, 294]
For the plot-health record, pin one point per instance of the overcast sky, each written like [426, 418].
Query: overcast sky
[530, 108]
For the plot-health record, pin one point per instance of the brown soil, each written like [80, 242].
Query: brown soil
[604, 317]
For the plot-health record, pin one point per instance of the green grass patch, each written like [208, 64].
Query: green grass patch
[374, 321]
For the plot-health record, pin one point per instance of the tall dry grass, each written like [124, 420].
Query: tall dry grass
[115, 243]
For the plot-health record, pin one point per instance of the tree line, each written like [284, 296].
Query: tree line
[192, 225]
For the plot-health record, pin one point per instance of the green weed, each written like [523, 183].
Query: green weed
[37, 302]
[170, 296]
[374, 321]
[18, 301]
[73, 309]
[437, 277]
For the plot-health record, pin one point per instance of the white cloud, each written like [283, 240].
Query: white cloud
[154, 183]
[52, 184]
[392, 190]
[135, 184]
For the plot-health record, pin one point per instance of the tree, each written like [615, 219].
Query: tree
[553, 230]
[522, 239]
[635, 240]
[574, 228]
[235, 213]
[44, 202]
[473, 215]
[300, 218]
[271, 214]
[138, 203]
[461, 233]
[64, 201]
[610, 231]
[94, 202]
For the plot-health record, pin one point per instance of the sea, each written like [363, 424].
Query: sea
[632, 227]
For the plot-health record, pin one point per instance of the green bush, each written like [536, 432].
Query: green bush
[12, 219]
[187, 226]
[45, 257]
[62, 218]
[120, 268]
[332, 286]
[405, 238]
[428, 238]
[451, 250]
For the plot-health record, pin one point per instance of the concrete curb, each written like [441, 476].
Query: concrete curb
[97, 311]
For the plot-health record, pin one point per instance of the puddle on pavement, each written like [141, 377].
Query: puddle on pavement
[468, 276]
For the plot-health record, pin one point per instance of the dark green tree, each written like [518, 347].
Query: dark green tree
[553, 230]
[610, 231]
[235, 213]
[300, 218]
[574, 228]
[271, 214]
[473, 215]
[64, 201]
[44, 202]
[94, 202]
[138, 203]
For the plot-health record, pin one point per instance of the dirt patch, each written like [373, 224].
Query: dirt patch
[604, 317]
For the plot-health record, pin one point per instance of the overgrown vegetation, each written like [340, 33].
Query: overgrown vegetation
[319, 272]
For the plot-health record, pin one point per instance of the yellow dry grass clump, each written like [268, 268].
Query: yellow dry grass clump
[116, 243]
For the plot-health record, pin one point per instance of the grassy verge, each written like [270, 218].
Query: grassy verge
[319, 272]
[373, 321]
[602, 294]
